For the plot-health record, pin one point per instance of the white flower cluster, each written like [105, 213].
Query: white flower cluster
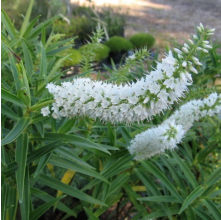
[167, 135]
[131, 102]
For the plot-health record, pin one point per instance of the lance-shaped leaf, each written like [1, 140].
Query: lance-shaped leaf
[214, 210]
[69, 190]
[160, 199]
[20, 158]
[73, 139]
[19, 127]
[68, 164]
[8, 96]
[157, 173]
[8, 25]
[192, 197]
[47, 198]
[42, 162]
[27, 17]
[28, 59]
[9, 113]
[37, 213]
[25, 205]
[12, 167]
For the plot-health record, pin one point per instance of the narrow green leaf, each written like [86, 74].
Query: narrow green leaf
[43, 36]
[25, 205]
[9, 112]
[8, 96]
[133, 198]
[118, 183]
[28, 59]
[4, 195]
[188, 174]
[160, 199]
[73, 139]
[37, 213]
[24, 77]
[192, 197]
[12, 167]
[71, 155]
[168, 163]
[20, 158]
[126, 135]
[40, 127]
[112, 169]
[23, 95]
[43, 62]
[90, 214]
[38, 118]
[57, 50]
[56, 67]
[8, 24]
[42, 162]
[15, 71]
[30, 27]
[162, 213]
[67, 126]
[202, 214]
[68, 164]
[53, 46]
[47, 198]
[27, 17]
[148, 183]
[19, 127]
[111, 134]
[213, 209]
[12, 202]
[157, 173]
[42, 151]
[37, 30]
[56, 184]
[214, 176]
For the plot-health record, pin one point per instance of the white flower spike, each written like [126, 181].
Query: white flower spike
[167, 135]
[147, 97]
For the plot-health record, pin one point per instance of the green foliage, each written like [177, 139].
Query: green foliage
[73, 59]
[184, 184]
[78, 26]
[119, 44]
[142, 40]
[101, 52]
[125, 73]
[89, 52]
[110, 19]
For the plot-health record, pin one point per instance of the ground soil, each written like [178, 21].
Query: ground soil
[167, 20]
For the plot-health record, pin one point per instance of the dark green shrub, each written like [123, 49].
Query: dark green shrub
[142, 40]
[74, 58]
[119, 44]
[113, 19]
[79, 26]
[101, 52]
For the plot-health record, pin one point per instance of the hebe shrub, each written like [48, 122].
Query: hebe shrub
[75, 57]
[87, 160]
[101, 52]
[142, 40]
[119, 44]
